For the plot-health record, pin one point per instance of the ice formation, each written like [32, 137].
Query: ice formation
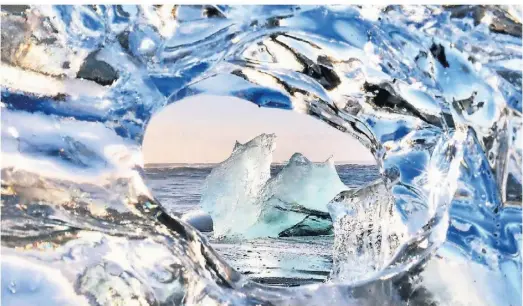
[434, 92]
[244, 201]
[230, 191]
[368, 231]
[299, 192]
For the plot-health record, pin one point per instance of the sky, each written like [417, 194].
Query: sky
[203, 129]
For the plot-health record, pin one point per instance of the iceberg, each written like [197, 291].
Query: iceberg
[298, 193]
[230, 190]
[243, 201]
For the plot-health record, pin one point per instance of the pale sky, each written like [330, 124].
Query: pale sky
[203, 129]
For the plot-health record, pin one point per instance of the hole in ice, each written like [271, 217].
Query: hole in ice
[264, 208]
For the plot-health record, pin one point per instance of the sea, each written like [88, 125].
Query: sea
[290, 261]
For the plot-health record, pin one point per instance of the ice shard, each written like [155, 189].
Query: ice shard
[368, 231]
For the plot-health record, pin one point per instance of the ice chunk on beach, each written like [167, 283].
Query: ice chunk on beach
[244, 201]
[301, 189]
[201, 220]
[367, 229]
[231, 189]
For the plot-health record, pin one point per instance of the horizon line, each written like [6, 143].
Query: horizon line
[348, 162]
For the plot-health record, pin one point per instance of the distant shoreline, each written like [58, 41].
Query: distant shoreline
[209, 165]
